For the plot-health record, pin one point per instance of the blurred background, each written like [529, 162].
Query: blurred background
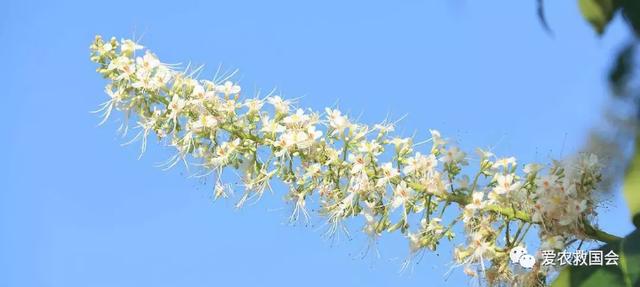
[77, 209]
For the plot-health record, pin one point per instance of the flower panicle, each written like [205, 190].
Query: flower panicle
[347, 169]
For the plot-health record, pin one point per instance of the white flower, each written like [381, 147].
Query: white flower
[553, 205]
[401, 194]
[505, 184]
[116, 95]
[532, 168]
[434, 183]
[312, 171]
[105, 48]
[253, 105]
[120, 63]
[228, 148]
[229, 107]
[369, 218]
[476, 201]
[437, 139]
[125, 67]
[453, 155]
[337, 121]
[401, 144]
[128, 46]
[281, 106]
[297, 119]
[285, 143]
[463, 181]
[359, 163]
[203, 123]
[384, 128]
[313, 135]
[414, 242]
[209, 85]
[162, 76]
[176, 104]
[574, 208]
[484, 154]
[371, 147]
[333, 155]
[147, 62]
[546, 182]
[300, 139]
[271, 126]
[144, 81]
[505, 162]
[388, 173]
[175, 107]
[199, 92]
[296, 138]
[420, 163]
[359, 182]
[482, 249]
[228, 88]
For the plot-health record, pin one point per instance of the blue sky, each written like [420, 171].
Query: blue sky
[77, 209]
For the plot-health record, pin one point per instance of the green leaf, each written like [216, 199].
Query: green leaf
[626, 273]
[630, 258]
[632, 186]
[598, 12]
[591, 276]
[631, 13]
[621, 72]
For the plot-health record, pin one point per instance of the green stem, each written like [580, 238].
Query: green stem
[510, 213]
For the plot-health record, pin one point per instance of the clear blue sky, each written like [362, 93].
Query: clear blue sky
[76, 209]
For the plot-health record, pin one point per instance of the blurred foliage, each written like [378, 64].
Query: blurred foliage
[626, 273]
[621, 79]
[599, 13]
[622, 70]
[632, 186]
[620, 142]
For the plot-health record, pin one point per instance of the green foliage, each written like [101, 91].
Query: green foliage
[632, 186]
[598, 12]
[627, 273]
[622, 70]
[631, 13]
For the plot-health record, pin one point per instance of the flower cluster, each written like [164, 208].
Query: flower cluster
[350, 169]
